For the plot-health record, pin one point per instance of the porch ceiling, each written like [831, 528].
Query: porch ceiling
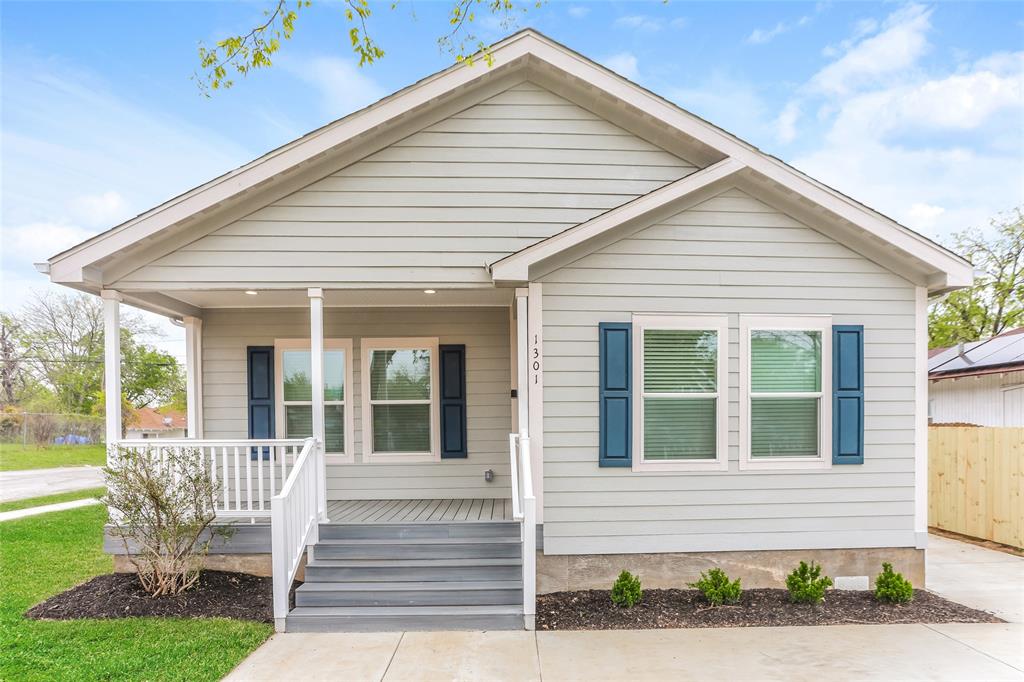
[286, 298]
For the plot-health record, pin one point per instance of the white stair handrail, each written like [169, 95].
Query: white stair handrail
[294, 524]
[524, 507]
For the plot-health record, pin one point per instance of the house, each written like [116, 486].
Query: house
[542, 326]
[979, 383]
[162, 423]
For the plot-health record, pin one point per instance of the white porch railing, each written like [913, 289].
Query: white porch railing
[524, 508]
[246, 473]
[294, 524]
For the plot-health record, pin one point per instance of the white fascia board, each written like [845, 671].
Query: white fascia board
[284, 159]
[516, 268]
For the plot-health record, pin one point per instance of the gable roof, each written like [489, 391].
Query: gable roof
[1002, 353]
[562, 70]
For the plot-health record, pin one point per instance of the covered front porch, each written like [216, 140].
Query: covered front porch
[300, 412]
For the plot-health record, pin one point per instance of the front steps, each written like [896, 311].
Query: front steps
[412, 576]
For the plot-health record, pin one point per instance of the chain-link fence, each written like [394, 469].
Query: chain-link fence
[45, 428]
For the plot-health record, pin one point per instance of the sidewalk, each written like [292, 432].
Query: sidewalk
[18, 485]
[844, 652]
[47, 508]
[966, 573]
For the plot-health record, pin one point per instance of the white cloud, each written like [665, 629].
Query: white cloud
[100, 210]
[624, 64]
[923, 216]
[639, 22]
[897, 134]
[343, 85]
[578, 11]
[36, 242]
[785, 124]
[897, 47]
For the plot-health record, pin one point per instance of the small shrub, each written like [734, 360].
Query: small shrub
[806, 584]
[892, 587]
[161, 504]
[717, 589]
[626, 591]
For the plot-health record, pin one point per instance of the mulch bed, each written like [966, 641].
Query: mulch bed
[217, 594]
[593, 610]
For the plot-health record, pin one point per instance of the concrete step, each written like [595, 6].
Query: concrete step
[394, 618]
[464, 593]
[419, 548]
[426, 529]
[375, 570]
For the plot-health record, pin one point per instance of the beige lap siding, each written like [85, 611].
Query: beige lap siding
[730, 255]
[484, 331]
[434, 208]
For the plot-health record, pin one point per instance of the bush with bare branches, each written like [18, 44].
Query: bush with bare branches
[161, 507]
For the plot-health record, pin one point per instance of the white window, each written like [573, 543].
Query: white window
[294, 386]
[400, 407]
[680, 404]
[785, 392]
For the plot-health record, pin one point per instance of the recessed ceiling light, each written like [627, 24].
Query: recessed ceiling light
[250, 292]
[429, 291]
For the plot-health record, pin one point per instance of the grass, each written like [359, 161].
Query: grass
[51, 499]
[47, 554]
[18, 457]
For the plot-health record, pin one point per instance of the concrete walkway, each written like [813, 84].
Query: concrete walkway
[845, 652]
[974, 576]
[969, 574]
[46, 509]
[19, 485]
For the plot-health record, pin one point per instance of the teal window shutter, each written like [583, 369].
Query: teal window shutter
[848, 394]
[615, 394]
[453, 401]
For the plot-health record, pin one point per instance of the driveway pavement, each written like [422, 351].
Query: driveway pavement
[972, 575]
[18, 485]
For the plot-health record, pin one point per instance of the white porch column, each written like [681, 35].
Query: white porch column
[112, 366]
[522, 362]
[316, 354]
[194, 375]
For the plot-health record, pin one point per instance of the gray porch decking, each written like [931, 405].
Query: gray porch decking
[419, 511]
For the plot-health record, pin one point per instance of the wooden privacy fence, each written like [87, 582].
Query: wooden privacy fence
[976, 482]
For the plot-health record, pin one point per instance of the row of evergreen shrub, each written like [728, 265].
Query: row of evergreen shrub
[806, 585]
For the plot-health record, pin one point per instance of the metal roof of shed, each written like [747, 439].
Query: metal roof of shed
[1004, 351]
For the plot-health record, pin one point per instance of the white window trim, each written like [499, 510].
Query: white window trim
[281, 345]
[718, 323]
[819, 323]
[403, 343]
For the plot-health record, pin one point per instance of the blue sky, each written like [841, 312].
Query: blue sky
[916, 110]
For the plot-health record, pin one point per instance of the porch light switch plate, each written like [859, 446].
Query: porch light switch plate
[852, 582]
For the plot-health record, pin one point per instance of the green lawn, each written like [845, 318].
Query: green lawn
[51, 499]
[16, 457]
[43, 555]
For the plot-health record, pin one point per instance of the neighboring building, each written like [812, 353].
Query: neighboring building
[552, 306]
[979, 383]
[162, 423]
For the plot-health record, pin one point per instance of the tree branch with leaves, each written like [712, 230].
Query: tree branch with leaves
[238, 55]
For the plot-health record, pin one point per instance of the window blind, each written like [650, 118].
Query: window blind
[785, 362]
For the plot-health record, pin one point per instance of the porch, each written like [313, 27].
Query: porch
[342, 479]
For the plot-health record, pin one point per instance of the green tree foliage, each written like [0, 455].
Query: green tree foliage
[996, 301]
[60, 345]
[237, 55]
